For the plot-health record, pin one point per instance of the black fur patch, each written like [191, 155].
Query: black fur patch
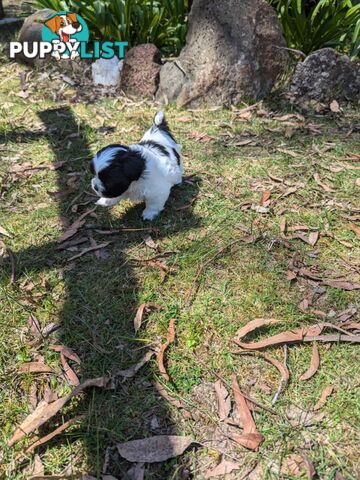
[164, 127]
[152, 144]
[92, 168]
[126, 167]
[176, 155]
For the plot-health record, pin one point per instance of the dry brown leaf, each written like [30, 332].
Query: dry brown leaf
[223, 399]
[313, 238]
[293, 466]
[149, 242]
[296, 228]
[253, 325]
[250, 438]
[44, 411]
[131, 371]
[290, 191]
[324, 396]
[160, 356]
[291, 275]
[335, 107]
[224, 468]
[309, 466]
[74, 227]
[154, 449]
[33, 397]
[35, 367]
[37, 470]
[201, 137]
[283, 225]
[138, 317]
[67, 352]
[299, 417]
[34, 326]
[184, 119]
[355, 229]
[322, 184]
[291, 153]
[280, 366]
[161, 266]
[265, 197]
[69, 372]
[304, 334]
[314, 364]
[4, 232]
[294, 336]
[140, 313]
[136, 472]
[341, 284]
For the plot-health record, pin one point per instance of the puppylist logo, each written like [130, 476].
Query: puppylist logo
[65, 35]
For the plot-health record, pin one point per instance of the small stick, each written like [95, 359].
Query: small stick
[276, 396]
[54, 433]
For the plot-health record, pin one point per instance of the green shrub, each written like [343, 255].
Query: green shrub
[309, 25]
[162, 22]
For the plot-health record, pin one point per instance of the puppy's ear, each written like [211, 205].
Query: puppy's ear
[125, 168]
[72, 17]
[53, 24]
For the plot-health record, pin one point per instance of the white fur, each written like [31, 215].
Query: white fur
[161, 172]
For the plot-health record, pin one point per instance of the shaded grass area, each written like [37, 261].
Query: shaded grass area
[96, 299]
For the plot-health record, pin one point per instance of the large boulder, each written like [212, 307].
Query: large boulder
[31, 31]
[234, 51]
[323, 76]
[140, 72]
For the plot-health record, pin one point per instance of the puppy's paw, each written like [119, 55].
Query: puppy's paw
[106, 202]
[150, 214]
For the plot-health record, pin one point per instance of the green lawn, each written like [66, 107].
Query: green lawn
[95, 299]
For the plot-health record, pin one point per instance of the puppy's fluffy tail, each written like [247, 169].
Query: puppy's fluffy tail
[159, 119]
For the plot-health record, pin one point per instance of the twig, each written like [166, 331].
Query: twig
[281, 385]
[87, 250]
[54, 433]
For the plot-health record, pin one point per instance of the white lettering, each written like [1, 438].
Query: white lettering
[15, 48]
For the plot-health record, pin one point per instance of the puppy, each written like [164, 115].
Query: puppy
[64, 26]
[145, 171]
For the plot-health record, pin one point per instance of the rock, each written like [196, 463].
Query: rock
[325, 75]
[140, 72]
[31, 31]
[231, 54]
[106, 71]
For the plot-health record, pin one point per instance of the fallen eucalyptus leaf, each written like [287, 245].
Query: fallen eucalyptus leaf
[154, 449]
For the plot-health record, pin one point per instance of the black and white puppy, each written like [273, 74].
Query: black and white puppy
[145, 171]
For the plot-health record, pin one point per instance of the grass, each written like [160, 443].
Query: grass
[96, 300]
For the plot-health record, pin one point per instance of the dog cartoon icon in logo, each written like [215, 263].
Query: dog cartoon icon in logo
[64, 26]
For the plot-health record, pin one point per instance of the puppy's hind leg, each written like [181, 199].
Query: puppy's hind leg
[155, 204]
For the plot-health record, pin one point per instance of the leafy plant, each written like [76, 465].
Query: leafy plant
[162, 22]
[309, 25]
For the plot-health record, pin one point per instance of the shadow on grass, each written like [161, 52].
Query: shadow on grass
[101, 297]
